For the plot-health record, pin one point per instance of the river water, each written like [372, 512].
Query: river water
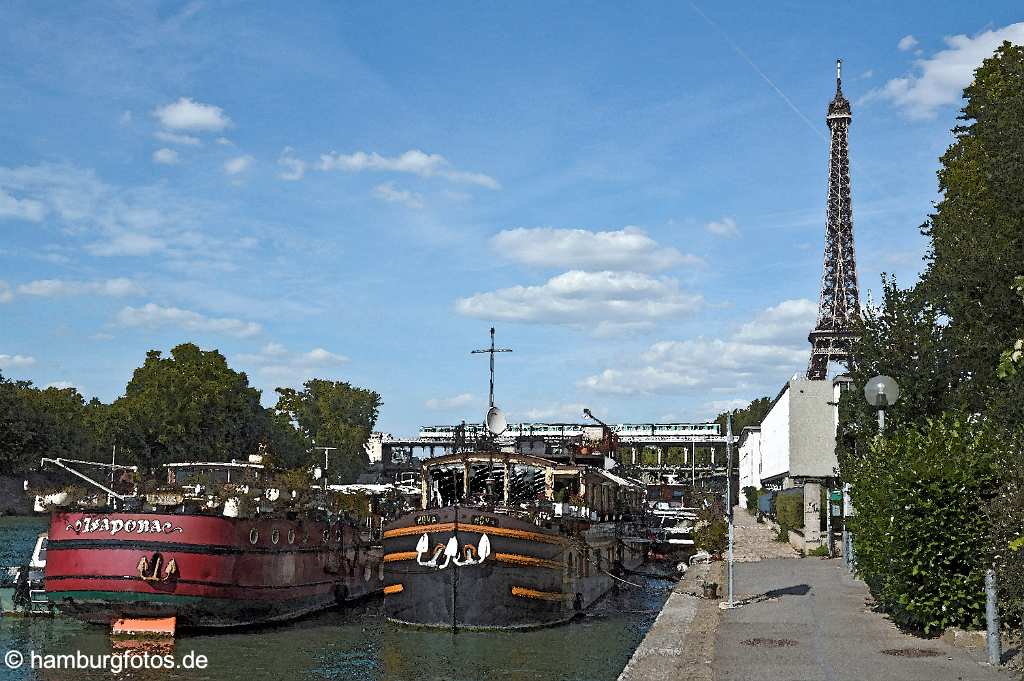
[355, 643]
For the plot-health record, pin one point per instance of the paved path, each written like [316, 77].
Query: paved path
[816, 626]
[679, 645]
[753, 541]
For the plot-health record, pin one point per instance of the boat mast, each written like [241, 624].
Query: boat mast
[490, 351]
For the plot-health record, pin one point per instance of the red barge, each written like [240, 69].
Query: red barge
[209, 565]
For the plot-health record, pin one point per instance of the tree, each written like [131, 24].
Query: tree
[22, 430]
[186, 407]
[334, 414]
[977, 230]
[750, 415]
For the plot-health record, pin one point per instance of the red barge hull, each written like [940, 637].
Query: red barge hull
[207, 571]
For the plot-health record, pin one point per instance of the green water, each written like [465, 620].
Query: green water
[352, 644]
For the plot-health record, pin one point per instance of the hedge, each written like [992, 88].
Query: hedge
[920, 530]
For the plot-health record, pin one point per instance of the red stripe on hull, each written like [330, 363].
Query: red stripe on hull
[300, 566]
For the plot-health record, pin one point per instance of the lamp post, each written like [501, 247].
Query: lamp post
[880, 392]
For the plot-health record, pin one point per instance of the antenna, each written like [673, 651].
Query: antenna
[491, 350]
[839, 73]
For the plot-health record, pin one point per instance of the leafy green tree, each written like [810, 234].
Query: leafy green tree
[188, 406]
[977, 230]
[22, 428]
[750, 415]
[334, 414]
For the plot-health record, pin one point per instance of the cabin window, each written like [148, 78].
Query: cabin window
[291, 536]
[254, 535]
[275, 536]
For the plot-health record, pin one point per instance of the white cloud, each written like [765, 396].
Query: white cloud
[224, 141]
[552, 412]
[388, 192]
[939, 80]
[50, 288]
[153, 316]
[275, 363]
[760, 356]
[6, 295]
[414, 161]
[16, 361]
[237, 165]
[584, 298]
[725, 227]
[21, 209]
[125, 118]
[177, 138]
[63, 385]
[788, 322]
[907, 42]
[126, 243]
[626, 249]
[165, 156]
[294, 167]
[449, 403]
[188, 114]
[102, 336]
[188, 231]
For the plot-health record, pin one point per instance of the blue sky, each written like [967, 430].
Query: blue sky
[633, 194]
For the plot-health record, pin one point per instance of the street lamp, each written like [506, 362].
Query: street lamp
[881, 392]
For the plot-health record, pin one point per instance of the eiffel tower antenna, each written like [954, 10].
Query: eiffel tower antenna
[839, 304]
[490, 351]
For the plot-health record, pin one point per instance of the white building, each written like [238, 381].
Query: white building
[749, 464]
[795, 444]
[798, 435]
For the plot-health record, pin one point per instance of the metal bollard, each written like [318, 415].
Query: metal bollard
[995, 652]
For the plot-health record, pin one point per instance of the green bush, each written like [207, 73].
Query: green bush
[818, 552]
[782, 536]
[921, 533]
[712, 537]
[789, 510]
[1006, 516]
[751, 493]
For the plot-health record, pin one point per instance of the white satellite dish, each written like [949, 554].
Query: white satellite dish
[496, 422]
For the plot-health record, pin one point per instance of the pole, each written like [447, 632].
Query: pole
[728, 495]
[995, 653]
[113, 459]
[491, 350]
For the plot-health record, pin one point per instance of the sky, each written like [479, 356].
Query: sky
[633, 194]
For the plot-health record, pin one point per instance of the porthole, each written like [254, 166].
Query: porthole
[291, 536]
[326, 535]
[275, 536]
[254, 535]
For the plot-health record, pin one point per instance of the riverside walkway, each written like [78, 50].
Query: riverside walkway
[801, 619]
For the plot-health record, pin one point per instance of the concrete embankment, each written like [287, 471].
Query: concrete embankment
[679, 645]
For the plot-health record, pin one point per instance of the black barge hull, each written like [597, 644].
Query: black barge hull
[531, 576]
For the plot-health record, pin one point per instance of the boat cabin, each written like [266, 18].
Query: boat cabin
[517, 481]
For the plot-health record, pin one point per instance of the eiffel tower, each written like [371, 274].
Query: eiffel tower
[839, 304]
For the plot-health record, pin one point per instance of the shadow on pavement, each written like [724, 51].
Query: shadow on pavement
[798, 590]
